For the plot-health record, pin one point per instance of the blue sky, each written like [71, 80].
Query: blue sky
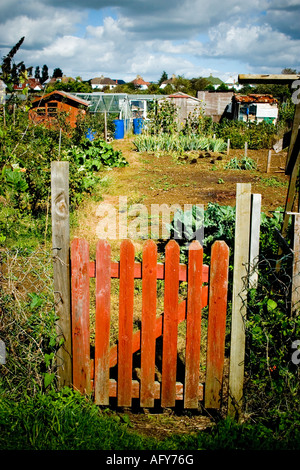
[124, 38]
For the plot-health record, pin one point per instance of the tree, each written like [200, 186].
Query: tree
[45, 74]
[37, 73]
[163, 78]
[11, 73]
[57, 73]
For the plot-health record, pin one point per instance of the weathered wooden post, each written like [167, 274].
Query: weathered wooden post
[239, 297]
[269, 161]
[61, 268]
[228, 146]
[254, 239]
[295, 294]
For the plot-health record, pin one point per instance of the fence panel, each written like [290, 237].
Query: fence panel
[81, 315]
[193, 325]
[95, 372]
[216, 323]
[103, 288]
[148, 323]
[125, 323]
[170, 325]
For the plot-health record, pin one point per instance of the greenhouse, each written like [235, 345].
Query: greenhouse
[123, 106]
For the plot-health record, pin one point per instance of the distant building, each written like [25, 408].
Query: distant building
[140, 83]
[99, 83]
[33, 84]
[45, 109]
[186, 105]
[254, 107]
[170, 81]
[215, 103]
[214, 81]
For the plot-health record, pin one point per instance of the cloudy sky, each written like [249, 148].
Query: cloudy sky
[123, 38]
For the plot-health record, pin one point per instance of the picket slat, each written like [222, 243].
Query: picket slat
[193, 325]
[148, 323]
[102, 328]
[216, 323]
[126, 295]
[170, 323]
[80, 315]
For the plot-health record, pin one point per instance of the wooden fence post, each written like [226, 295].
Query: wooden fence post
[295, 294]
[228, 146]
[254, 238]
[239, 297]
[61, 268]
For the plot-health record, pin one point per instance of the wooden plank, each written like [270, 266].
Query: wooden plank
[61, 268]
[170, 323]
[136, 342]
[295, 294]
[102, 328]
[193, 325]
[239, 297]
[218, 288]
[148, 323]
[254, 239]
[135, 390]
[80, 315]
[126, 295]
[115, 271]
[282, 79]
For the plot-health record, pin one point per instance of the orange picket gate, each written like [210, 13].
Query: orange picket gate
[92, 375]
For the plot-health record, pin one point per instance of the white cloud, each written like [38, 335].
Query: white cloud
[184, 37]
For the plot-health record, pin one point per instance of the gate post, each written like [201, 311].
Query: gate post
[239, 297]
[61, 268]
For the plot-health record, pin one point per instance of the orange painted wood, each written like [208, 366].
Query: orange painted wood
[170, 325]
[80, 315]
[102, 328]
[126, 295]
[218, 287]
[193, 325]
[148, 336]
[135, 389]
[115, 271]
[136, 342]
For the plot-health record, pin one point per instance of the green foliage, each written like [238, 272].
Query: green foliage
[245, 163]
[258, 135]
[26, 152]
[177, 143]
[162, 118]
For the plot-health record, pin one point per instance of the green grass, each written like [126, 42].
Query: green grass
[67, 421]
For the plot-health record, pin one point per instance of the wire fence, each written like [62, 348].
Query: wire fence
[27, 318]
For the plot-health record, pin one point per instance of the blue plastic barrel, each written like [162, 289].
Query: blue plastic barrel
[119, 131]
[137, 125]
[90, 135]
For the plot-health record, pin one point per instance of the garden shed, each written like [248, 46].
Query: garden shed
[186, 105]
[255, 107]
[46, 108]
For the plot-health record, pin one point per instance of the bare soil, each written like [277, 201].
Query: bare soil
[192, 179]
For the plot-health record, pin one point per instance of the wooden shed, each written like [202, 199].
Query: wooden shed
[186, 105]
[45, 109]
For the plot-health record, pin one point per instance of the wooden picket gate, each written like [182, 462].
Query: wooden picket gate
[92, 375]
